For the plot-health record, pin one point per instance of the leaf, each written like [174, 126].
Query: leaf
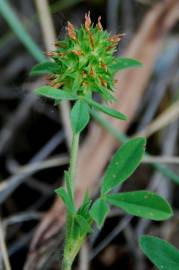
[66, 199]
[79, 116]
[99, 211]
[142, 204]
[124, 63]
[45, 67]
[84, 208]
[74, 229]
[123, 164]
[164, 255]
[106, 109]
[53, 93]
[85, 227]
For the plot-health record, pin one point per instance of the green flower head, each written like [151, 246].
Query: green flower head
[85, 60]
[83, 63]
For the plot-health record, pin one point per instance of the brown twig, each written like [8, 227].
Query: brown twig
[4, 248]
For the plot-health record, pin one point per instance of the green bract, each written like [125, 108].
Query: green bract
[82, 64]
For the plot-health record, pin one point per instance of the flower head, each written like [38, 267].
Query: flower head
[85, 59]
[82, 64]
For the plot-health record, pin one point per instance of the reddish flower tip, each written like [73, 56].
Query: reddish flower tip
[87, 21]
[100, 28]
[71, 31]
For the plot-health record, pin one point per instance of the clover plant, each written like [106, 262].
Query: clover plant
[81, 65]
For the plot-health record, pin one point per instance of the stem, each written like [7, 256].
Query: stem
[70, 250]
[73, 158]
[66, 266]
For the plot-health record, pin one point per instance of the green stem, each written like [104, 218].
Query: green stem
[69, 248]
[66, 265]
[73, 158]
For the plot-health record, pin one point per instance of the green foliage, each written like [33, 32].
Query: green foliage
[79, 116]
[160, 252]
[45, 68]
[82, 225]
[83, 215]
[85, 206]
[82, 64]
[143, 204]
[99, 211]
[53, 93]
[105, 109]
[122, 138]
[123, 164]
[66, 199]
[125, 63]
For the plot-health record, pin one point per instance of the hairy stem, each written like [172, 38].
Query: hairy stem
[73, 158]
[66, 265]
[70, 249]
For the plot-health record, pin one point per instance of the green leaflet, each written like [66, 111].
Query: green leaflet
[79, 116]
[80, 227]
[84, 208]
[105, 109]
[124, 63]
[164, 255]
[83, 218]
[66, 199]
[143, 204]
[84, 225]
[123, 164]
[53, 93]
[99, 211]
[44, 68]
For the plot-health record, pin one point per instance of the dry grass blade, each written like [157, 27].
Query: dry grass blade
[4, 248]
[14, 181]
[161, 159]
[33, 168]
[84, 257]
[164, 119]
[49, 36]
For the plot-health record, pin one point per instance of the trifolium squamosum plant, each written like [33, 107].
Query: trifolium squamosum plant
[84, 64]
